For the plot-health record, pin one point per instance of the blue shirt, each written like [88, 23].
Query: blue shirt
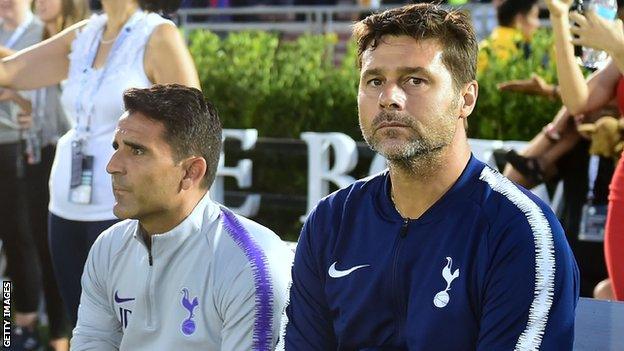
[487, 267]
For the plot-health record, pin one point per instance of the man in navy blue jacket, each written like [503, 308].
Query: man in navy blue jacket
[439, 252]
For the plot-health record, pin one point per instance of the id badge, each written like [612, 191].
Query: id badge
[81, 183]
[593, 221]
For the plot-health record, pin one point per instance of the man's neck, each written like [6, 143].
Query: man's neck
[416, 187]
[118, 13]
[165, 221]
[12, 23]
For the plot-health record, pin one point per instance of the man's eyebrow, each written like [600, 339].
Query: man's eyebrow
[414, 70]
[403, 71]
[372, 72]
[135, 145]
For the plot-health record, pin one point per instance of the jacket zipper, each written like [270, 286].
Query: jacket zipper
[148, 295]
[404, 228]
[397, 299]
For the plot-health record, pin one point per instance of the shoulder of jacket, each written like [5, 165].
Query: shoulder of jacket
[113, 239]
[356, 188]
[246, 247]
[337, 201]
[256, 232]
[508, 205]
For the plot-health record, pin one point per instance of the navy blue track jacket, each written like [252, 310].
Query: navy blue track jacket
[487, 267]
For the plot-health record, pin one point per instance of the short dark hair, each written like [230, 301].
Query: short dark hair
[508, 9]
[192, 126]
[452, 29]
[162, 6]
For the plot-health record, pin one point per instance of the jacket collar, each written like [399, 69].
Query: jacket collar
[462, 188]
[206, 211]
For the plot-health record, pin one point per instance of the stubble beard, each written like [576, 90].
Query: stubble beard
[423, 153]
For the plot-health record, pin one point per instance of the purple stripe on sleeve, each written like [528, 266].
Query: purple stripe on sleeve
[262, 329]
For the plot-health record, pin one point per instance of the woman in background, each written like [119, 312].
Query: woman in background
[128, 45]
[47, 124]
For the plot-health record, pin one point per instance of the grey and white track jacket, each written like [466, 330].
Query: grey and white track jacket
[217, 281]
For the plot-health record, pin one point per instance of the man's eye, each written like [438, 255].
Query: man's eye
[415, 81]
[137, 151]
[375, 82]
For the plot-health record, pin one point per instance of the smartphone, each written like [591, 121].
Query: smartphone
[577, 6]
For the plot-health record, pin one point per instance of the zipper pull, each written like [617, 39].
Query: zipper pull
[149, 252]
[404, 228]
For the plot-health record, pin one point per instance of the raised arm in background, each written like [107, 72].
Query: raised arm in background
[167, 59]
[40, 65]
[578, 95]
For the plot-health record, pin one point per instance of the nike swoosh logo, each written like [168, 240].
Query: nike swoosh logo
[120, 300]
[334, 273]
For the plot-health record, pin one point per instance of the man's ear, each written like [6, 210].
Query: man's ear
[468, 99]
[195, 169]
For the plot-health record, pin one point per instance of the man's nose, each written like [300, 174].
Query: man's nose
[392, 97]
[114, 165]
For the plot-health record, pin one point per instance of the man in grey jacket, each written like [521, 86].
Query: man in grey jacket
[181, 272]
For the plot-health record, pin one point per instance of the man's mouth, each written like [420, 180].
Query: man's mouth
[118, 189]
[390, 124]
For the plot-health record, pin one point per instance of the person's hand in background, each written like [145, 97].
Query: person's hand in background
[597, 32]
[558, 8]
[25, 120]
[535, 85]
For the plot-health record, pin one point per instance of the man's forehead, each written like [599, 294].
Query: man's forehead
[400, 52]
[136, 122]
[136, 119]
[123, 122]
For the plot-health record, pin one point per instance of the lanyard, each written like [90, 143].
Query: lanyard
[81, 100]
[39, 108]
[19, 31]
[592, 174]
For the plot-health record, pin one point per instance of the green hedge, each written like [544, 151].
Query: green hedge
[283, 88]
[514, 116]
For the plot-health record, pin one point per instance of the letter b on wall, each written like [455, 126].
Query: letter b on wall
[320, 171]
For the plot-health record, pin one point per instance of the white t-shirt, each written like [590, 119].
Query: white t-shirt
[101, 92]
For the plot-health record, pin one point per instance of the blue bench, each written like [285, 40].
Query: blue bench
[599, 326]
